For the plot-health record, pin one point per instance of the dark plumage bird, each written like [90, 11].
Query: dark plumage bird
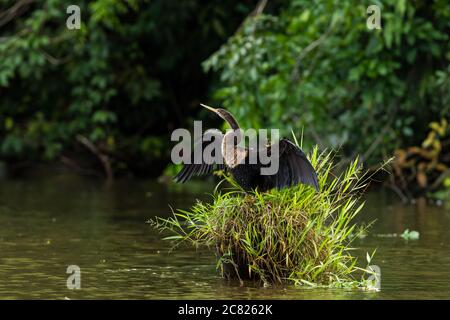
[294, 167]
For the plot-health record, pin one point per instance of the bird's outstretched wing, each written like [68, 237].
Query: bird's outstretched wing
[294, 168]
[208, 165]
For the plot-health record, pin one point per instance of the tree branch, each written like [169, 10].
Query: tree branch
[104, 159]
[16, 10]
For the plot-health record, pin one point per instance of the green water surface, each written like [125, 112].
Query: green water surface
[48, 224]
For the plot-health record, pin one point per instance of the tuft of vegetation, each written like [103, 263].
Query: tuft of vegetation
[294, 235]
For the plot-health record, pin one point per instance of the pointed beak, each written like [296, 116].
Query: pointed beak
[225, 115]
[209, 108]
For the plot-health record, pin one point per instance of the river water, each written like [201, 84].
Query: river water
[48, 224]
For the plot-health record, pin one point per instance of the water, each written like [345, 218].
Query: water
[48, 224]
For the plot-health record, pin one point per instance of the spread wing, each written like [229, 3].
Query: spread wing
[207, 164]
[294, 168]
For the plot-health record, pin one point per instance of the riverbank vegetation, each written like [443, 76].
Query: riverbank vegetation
[103, 100]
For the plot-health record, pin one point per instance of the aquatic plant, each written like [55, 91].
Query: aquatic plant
[293, 235]
[410, 235]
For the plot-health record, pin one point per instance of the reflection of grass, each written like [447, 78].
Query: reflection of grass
[292, 235]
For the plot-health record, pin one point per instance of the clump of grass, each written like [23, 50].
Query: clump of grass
[291, 235]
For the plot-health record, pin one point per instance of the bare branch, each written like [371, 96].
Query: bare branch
[16, 10]
[104, 159]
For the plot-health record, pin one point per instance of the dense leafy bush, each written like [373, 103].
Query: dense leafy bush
[316, 65]
[119, 85]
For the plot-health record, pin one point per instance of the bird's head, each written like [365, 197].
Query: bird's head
[225, 115]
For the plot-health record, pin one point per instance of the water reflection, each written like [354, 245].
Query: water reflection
[46, 225]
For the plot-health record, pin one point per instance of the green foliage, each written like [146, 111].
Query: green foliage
[293, 235]
[132, 74]
[316, 65]
[123, 81]
[444, 193]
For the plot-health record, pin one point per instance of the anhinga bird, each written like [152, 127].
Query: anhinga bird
[294, 167]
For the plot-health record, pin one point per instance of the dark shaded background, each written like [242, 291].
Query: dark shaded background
[104, 99]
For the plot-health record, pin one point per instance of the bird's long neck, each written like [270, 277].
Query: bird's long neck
[231, 121]
[231, 152]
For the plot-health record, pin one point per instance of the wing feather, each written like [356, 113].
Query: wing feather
[294, 168]
[207, 166]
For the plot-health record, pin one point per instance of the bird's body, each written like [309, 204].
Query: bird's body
[245, 176]
[245, 164]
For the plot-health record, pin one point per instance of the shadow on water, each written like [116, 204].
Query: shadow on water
[48, 224]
